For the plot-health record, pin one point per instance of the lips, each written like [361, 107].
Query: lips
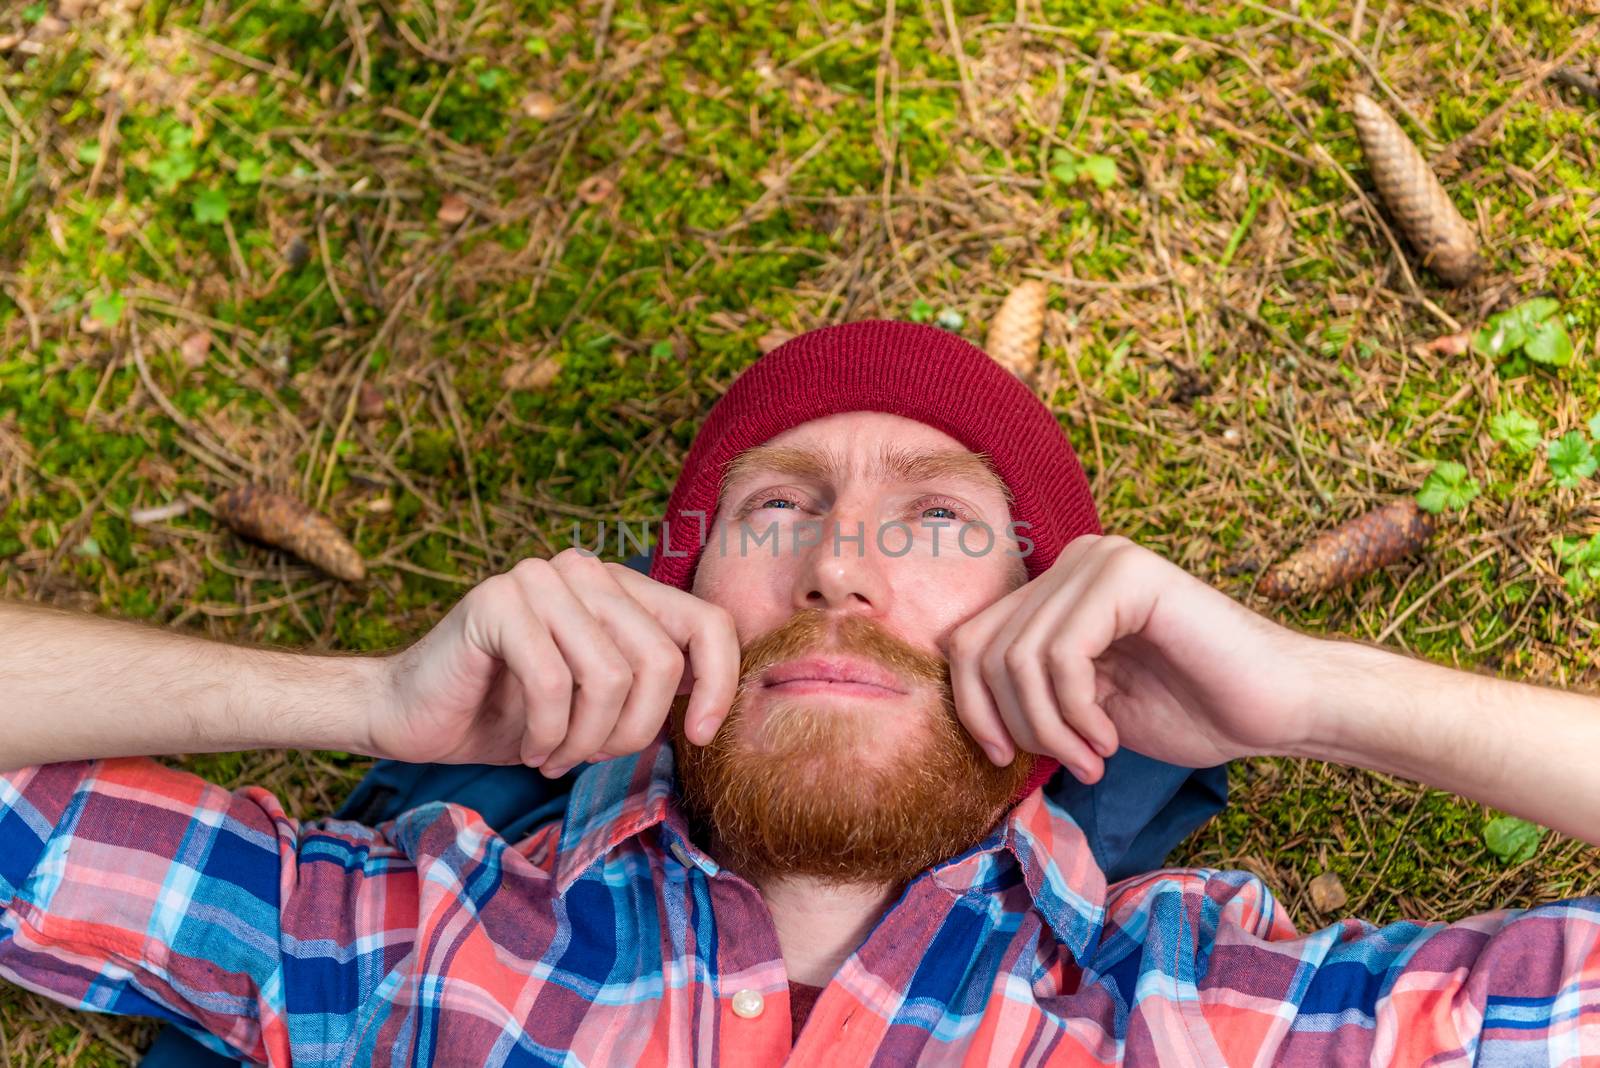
[843, 675]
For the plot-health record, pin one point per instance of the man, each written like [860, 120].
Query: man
[844, 811]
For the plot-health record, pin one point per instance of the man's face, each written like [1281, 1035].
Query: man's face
[840, 552]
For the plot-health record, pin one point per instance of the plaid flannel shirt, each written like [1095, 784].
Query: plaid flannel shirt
[611, 939]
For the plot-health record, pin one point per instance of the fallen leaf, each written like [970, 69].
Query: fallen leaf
[380, 505]
[194, 348]
[540, 106]
[297, 253]
[48, 27]
[531, 374]
[161, 512]
[1449, 344]
[595, 188]
[1327, 893]
[371, 403]
[452, 209]
[772, 339]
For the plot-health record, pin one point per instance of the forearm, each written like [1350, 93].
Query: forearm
[74, 686]
[1528, 750]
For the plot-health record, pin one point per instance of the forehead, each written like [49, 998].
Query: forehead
[869, 446]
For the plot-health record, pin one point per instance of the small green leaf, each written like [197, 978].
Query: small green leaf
[88, 152]
[1447, 486]
[107, 309]
[1550, 344]
[211, 206]
[536, 46]
[1571, 459]
[1102, 170]
[248, 172]
[88, 547]
[34, 12]
[921, 311]
[661, 349]
[490, 79]
[1516, 431]
[1512, 840]
[1530, 313]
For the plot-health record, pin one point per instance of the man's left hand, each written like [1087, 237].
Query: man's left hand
[1115, 646]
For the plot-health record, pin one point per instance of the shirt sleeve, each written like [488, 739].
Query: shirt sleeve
[1516, 986]
[127, 887]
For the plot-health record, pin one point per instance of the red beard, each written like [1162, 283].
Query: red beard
[813, 796]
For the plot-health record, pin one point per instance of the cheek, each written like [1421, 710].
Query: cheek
[937, 596]
[754, 590]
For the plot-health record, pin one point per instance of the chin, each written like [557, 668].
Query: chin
[798, 728]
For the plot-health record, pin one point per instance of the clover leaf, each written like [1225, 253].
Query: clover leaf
[1447, 486]
[1571, 459]
[211, 206]
[1516, 431]
[1512, 840]
[107, 309]
[1533, 329]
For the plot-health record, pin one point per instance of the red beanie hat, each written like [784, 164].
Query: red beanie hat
[918, 372]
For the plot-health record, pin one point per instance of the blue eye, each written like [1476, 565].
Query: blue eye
[777, 502]
[950, 512]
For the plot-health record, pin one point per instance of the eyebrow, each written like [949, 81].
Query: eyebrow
[891, 463]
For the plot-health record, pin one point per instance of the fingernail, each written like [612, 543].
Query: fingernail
[555, 771]
[997, 754]
[537, 760]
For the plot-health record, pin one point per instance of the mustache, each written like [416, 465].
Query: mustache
[810, 630]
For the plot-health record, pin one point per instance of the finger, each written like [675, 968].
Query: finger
[546, 685]
[600, 673]
[1016, 671]
[975, 705]
[502, 624]
[707, 635]
[655, 659]
[1055, 687]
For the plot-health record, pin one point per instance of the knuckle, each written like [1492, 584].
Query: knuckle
[611, 678]
[662, 658]
[629, 740]
[1020, 657]
[575, 560]
[553, 686]
[531, 570]
[993, 664]
[964, 644]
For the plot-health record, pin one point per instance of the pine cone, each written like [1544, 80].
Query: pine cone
[1018, 325]
[1354, 548]
[285, 523]
[1419, 204]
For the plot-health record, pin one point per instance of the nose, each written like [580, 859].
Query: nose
[842, 573]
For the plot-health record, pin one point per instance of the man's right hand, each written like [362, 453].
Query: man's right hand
[553, 663]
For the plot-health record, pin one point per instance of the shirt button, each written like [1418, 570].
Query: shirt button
[748, 1003]
[682, 854]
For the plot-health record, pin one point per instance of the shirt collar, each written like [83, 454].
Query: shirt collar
[617, 799]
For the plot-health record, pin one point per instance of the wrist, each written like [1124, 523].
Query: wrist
[306, 701]
[1375, 709]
